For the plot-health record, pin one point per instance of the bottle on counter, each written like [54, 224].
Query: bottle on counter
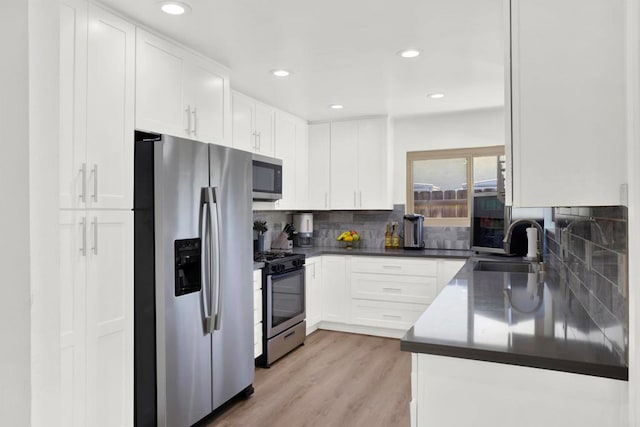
[395, 238]
[387, 237]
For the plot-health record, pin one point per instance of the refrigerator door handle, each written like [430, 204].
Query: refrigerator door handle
[204, 234]
[216, 296]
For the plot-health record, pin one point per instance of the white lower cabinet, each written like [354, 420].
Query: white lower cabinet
[385, 314]
[257, 313]
[96, 325]
[335, 288]
[313, 297]
[375, 295]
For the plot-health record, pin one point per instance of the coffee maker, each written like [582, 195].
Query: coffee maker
[303, 236]
[413, 231]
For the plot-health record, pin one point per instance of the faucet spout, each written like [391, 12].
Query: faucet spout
[509, 233]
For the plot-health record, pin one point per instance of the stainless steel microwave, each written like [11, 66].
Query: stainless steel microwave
[267, 178]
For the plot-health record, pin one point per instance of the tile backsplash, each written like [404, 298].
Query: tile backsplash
[371, 225]
[588, 249]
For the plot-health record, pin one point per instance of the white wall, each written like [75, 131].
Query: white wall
[474, 128]
[15, 358]
[43, 190]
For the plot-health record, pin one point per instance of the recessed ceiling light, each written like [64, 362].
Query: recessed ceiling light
[435, 95]
[336, 106]
[174, 7]
[281, 73]
[409, 53]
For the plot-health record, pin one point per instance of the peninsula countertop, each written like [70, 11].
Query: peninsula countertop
[514, 318]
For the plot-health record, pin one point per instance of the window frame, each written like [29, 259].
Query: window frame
[454, 153]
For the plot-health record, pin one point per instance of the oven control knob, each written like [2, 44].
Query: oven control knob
[281, 267]
[274, 268]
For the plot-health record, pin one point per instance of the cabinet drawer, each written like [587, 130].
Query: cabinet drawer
[257, 279]
[257, 333]
[398, 266]
[394, 315]
[387, 287]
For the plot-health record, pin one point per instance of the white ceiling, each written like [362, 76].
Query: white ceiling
[344, 51]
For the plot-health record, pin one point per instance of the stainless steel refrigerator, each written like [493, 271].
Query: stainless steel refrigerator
[193, 279]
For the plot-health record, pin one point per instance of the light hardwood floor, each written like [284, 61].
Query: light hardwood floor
[336, 379]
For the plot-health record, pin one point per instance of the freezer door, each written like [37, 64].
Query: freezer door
[183, 346]
[232, 252]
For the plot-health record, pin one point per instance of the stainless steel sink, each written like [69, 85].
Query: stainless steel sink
[506, 267]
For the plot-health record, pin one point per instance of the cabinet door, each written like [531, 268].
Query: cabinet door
[336, 291]
[110, 78]
[73, 89]
[568, 103]
[319, 166]
[313, 280]
[344, 165]
[110, 318]
[243, 122]
[372, 159]
[264, 128]
[159, 91]
[285, 149]
[205, 94]
[302, 165]
[73, 251]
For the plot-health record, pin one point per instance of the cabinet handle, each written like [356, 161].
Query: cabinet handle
[391, 316]
[392, 267]
[394, 290]
[94, 224]
[259, 140]
[94, 172]
[195, 121]
[83, 171]
[188, 111]
[255, 140]
[83, 248]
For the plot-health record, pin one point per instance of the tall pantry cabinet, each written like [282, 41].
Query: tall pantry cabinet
[96, 222]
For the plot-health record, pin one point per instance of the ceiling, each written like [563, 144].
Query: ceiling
[344, 51]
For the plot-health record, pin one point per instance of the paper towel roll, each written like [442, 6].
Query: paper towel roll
[532, 242]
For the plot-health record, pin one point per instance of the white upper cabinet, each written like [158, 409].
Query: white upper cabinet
[319, 166]
[360, 165]
[567, 97]
[253, 125]
[291, 147]
[180, 93]
[344, 165]
[373, 167]
[96, 107]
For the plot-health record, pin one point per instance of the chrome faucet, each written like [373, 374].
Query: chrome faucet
[509, 232]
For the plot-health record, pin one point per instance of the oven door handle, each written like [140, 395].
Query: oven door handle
[204, 234]
[216, 290]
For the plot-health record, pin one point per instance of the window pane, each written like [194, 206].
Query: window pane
[485, 173]
[440, 188]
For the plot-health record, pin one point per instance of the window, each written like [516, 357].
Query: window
[440, 182]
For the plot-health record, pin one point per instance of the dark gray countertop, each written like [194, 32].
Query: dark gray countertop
[423, 253]
[533, 324]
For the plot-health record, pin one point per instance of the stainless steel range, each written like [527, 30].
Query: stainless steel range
[283, 304]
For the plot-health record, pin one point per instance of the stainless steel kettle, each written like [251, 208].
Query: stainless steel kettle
[413, 231]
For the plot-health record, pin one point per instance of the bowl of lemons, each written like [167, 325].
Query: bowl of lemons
[349, 239]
